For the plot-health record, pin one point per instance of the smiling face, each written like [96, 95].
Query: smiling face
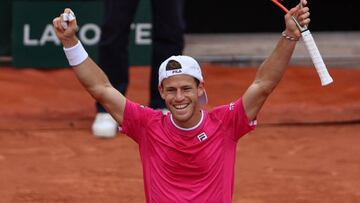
[181, 94]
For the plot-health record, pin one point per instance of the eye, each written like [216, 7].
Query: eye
[170, 90]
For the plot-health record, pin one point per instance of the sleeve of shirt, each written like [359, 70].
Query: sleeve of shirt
[135, 120]
[242, 123]
[235, 118]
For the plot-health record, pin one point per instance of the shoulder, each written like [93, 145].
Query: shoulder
[136, 111]
[227, 108]
[229, 111]
[138, 119]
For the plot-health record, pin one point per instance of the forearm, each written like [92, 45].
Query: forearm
[87, 71]
[97, 84]
[267, 77]
[273, 68]
[91, 77]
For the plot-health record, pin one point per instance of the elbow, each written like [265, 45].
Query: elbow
[97, 92]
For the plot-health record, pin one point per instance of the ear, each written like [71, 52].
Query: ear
[161, 91]
[201, 88]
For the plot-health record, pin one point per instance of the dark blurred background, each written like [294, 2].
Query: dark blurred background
[202, 16]
[232, 16]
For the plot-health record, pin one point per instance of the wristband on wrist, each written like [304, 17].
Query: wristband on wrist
[76, 54]
[289, 37]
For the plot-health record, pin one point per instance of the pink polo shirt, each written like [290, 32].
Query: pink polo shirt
[187, 165]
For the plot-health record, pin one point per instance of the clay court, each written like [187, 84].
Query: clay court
[305, 148]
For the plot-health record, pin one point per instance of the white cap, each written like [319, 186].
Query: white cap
[188, 66]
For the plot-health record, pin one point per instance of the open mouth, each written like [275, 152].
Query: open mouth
[180, 106]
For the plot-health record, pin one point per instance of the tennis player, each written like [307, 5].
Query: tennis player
[188, 155]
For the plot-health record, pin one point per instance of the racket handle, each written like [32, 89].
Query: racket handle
[316, 58]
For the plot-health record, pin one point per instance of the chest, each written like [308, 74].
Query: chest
[193, 156]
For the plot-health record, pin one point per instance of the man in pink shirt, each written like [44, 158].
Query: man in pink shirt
[188, 154]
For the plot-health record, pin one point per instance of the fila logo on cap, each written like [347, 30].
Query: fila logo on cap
[202, 137]
[176, 71]
[173, 68]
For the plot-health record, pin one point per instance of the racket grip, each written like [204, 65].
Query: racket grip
[316, 58]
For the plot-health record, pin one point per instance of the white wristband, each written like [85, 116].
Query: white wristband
[76, 54]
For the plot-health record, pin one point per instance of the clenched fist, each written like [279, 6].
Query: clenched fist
[66, 27]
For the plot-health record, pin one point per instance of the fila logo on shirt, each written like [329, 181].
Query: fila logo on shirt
[202, 137]
[231, 106]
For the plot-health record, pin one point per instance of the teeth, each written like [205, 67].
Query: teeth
[180, 106]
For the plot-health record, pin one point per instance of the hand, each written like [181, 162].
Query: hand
[66, 29]
[301, 14]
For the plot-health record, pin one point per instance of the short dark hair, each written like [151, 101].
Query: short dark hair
[173, 65]
[197, 81]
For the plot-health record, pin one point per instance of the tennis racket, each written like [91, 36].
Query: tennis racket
[313, 50]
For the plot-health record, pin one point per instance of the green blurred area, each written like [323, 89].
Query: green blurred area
[28, 38]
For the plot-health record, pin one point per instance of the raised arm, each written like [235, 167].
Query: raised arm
[273, 68]
[89, 74]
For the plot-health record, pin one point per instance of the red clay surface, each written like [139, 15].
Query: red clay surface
[305, 149]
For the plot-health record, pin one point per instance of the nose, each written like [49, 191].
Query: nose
[179, 95]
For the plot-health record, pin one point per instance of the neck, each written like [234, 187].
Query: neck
[192, 123]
